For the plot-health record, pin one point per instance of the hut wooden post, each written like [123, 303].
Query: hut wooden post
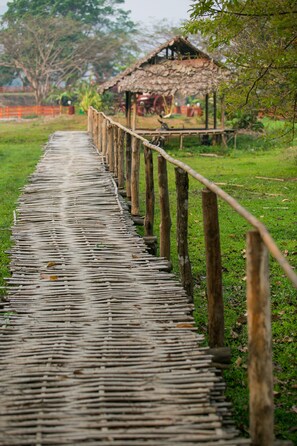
[213, 269]
[128, 164]
[259, 343]
[223, 121]
[206, 111]
[128, 109]
[121, 159]
[215, 110]
[135, 176]
[182, 188]
[223, 113]
[165, 225]
[134, 112]
[115, 151]
[149, 193]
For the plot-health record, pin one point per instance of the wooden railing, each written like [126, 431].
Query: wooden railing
[120, 148]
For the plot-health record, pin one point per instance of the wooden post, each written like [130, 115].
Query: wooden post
[104, 137]
[90, 122]
[213, 269]
[135, 176]
[115, 151]
[165, 225]
[128, 164]
[259, 342]
[134, 112]
[110, 146]
[181, 142]
[99, 134]
[223, 113]
[182, 188]
[128, 109]
[149, 193]
[206, 111]
[121, 159]
[214, 110]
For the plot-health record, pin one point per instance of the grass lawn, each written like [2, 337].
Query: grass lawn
[272, 201]
[21, 145]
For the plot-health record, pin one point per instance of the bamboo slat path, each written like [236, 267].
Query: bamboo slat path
[100, 347]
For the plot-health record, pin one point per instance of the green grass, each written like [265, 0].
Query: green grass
[273, 202]
[20, 149]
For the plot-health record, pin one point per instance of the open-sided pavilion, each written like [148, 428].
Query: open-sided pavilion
[178, 69]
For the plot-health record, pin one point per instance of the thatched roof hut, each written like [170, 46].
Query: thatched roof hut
[188, 77]
[175, 68]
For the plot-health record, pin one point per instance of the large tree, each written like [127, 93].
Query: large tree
[46, 51]
[103, 22]
[258, 39]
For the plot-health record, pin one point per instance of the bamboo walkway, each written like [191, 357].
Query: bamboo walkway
[99, 346]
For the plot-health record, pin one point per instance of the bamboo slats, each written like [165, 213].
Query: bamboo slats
[99, 347]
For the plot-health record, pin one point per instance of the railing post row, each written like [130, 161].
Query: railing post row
[213, 269]
[260, 373]
[149, 193]
[121, 159]
[128, 164]
[110, 146]
[115, 151]
[182, 188]
[165, 225]
[135, 167]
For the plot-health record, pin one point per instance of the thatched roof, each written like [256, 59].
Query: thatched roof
[170, 77]
[184, 62]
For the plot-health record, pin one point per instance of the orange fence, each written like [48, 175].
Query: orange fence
[19, 111]
[11, 89]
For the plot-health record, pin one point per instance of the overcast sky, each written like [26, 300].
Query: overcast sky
[143, 10]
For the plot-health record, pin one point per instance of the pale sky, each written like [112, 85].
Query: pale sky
[143, 10]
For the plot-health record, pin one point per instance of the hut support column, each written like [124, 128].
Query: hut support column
[128, 109]
[206, 111]
[134, 112]
[214, 110]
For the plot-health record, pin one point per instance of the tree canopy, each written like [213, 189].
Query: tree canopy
[50, 42]
[258, 39]
[103, 14]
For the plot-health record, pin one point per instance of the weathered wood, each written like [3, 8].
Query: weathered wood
[149, 193]
[165, 225]
[134, 111]
[221, 355]
[214, 110]
[121, 159]
[99, 346]
[115, 151]
[135, 166]
[213, 269]
[128, 109]
[128, 164]
[104, 136]
[90, 120]
[181, 142]
[259, 342]
[151, 242]
[110, 160]
[206, 111]
[182, 188]
[99, 133]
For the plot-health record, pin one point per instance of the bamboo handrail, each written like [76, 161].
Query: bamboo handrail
[250, 218]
